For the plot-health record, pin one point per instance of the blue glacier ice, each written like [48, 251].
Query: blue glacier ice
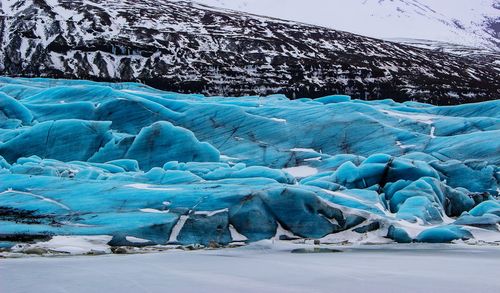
[126, 160]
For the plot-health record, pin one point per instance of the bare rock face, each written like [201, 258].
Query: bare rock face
[185, 47]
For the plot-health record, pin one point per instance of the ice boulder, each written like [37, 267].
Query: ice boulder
[398, 234]
[444, 234]
[419, 207]
[10, 108]
[487, 207]
[163, 142]
[64, 140]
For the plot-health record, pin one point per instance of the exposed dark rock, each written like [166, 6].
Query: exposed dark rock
[190, 48]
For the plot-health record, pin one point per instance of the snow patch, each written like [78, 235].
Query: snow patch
[211, 213]
[433, 130]
[235, 235]
[136, 240]
[301, 171]
[177, 228]
[305, 150]
[419, 117]
[149, 187]
[278, 120]
[154, 211]
[75, 244]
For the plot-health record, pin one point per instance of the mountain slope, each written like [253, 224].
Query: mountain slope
[186, 47]
[470, 23]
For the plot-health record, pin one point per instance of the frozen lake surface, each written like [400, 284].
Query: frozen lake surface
[263, 268]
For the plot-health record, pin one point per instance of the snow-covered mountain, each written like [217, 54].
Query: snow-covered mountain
[188, 47]
[472, 23]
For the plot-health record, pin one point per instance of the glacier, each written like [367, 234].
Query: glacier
[149, 167]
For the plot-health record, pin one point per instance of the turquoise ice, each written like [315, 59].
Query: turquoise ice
[124, 159]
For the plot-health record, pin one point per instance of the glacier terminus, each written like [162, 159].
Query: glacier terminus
[123, 164]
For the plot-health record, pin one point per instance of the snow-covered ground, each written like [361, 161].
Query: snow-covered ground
[466, 22]
[263, 267]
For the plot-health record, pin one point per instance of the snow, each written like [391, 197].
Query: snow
[483, 235]
[403, 146]
[312, 159]
[228, 158]
[235, 235]
[136, 240]
[356, 238]
[154, 211]
[301, 171]
[278, 120]
[453, 21]
[307, 150]
[72, 244]
[211, 213]
[419, 117]
[177, 228]
[61, 11]
[43, 198]
[433, 130]
[280, 231]
[149, 187]
[264, 267]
